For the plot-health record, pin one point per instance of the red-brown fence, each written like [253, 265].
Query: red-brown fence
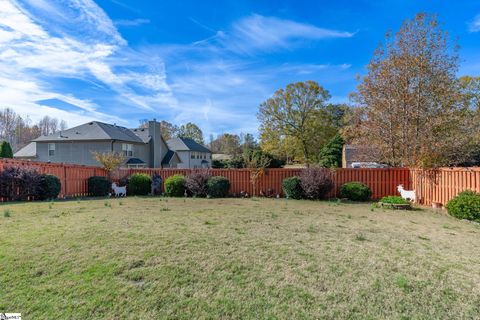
[438, 185]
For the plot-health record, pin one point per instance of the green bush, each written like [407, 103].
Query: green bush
[98, 186]
[48, 187]
[5, 150]
[355, 191]
[292, 187]
[175, 186]
[218, 187]
[394, 200]
[466, 205]
[139, 184]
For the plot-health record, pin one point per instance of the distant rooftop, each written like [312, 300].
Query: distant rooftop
[186, 144]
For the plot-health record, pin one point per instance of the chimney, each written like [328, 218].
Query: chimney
[155, 143]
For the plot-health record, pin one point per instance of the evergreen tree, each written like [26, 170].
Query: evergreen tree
[331, 154]
[6, 150]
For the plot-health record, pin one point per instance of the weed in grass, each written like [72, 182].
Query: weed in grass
[7, 213]
[423, 238]
[273, 215]
[165, 209]
[349, 216]
[298, 212]
[210, 223]
[312, 229]
[120, 203]
[107, 204]
[402, 282]
[360, 237]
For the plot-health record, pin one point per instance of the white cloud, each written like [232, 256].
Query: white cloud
[257, 32]
[41, 40]
[131, 23]
[475, 24]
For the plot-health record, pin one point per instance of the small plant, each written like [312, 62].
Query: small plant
[466, 205]
[196, 183]
[7, 213]
[98, 186]
[292, 187]
[355, 191]
[360, 237]
[218, 187]
[402, 282]
[175, 186]
[393, 200]
[316, 182]
[139, 184]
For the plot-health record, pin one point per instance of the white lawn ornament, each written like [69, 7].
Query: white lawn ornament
[119, 191]
[407, 194]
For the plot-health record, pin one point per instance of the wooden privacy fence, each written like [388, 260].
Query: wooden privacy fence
[438, 185]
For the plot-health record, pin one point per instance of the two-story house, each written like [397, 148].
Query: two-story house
[142, 147]
[191, 153]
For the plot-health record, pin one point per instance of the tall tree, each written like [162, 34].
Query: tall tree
[410, 98]
[298, 114]
[226, 144]
[192, 131]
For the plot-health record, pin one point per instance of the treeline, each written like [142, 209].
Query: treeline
[19, 130]
[410, 107]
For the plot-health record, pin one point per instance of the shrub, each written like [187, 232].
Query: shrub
[218, 187]
[139, 184]
[49, 187]
[175, 186]
[316, 182]
[292, 187]
[394, 200]
[355, 191]
[196, 183]
[466, 205]
[98, 186]
[19, 184]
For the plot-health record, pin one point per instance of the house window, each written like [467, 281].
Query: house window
[198, 155]
[51, 149]
[127, 149]
[193, 155]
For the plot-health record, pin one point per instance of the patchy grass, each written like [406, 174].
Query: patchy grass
[235, 258]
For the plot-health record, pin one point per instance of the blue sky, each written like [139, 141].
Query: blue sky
[210, 62]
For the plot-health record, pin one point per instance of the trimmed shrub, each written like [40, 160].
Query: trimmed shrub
[316, 182]
[19, 184]
[175, 186]
[355, 191]
[139, 184]
[98, 186]
[218, 187]
[196, 183]
[48, 187]
[292, 187]
[466, 205]
[394, 200]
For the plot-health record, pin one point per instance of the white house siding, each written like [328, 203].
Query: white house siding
[189, 163]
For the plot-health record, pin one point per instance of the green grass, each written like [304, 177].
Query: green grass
[235, 258]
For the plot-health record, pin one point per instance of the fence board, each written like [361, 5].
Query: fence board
[434, 185]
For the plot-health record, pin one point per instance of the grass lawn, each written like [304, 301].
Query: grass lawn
[154, 258]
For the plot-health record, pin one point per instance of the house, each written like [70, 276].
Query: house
[191, 153]
[360, 156]
[142, 147]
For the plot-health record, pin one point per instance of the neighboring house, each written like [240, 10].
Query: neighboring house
[360, 156]
[192, 154]
[142, 147]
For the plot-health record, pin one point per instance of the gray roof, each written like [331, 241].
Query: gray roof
[168, 157]
[93, 131]
[143, 133]
[186, 144]
[135, 161]
[29, 151]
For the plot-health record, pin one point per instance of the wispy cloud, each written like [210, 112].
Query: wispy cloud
[131, 23]
[474, 26]
[257, 32]
[37, 42]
